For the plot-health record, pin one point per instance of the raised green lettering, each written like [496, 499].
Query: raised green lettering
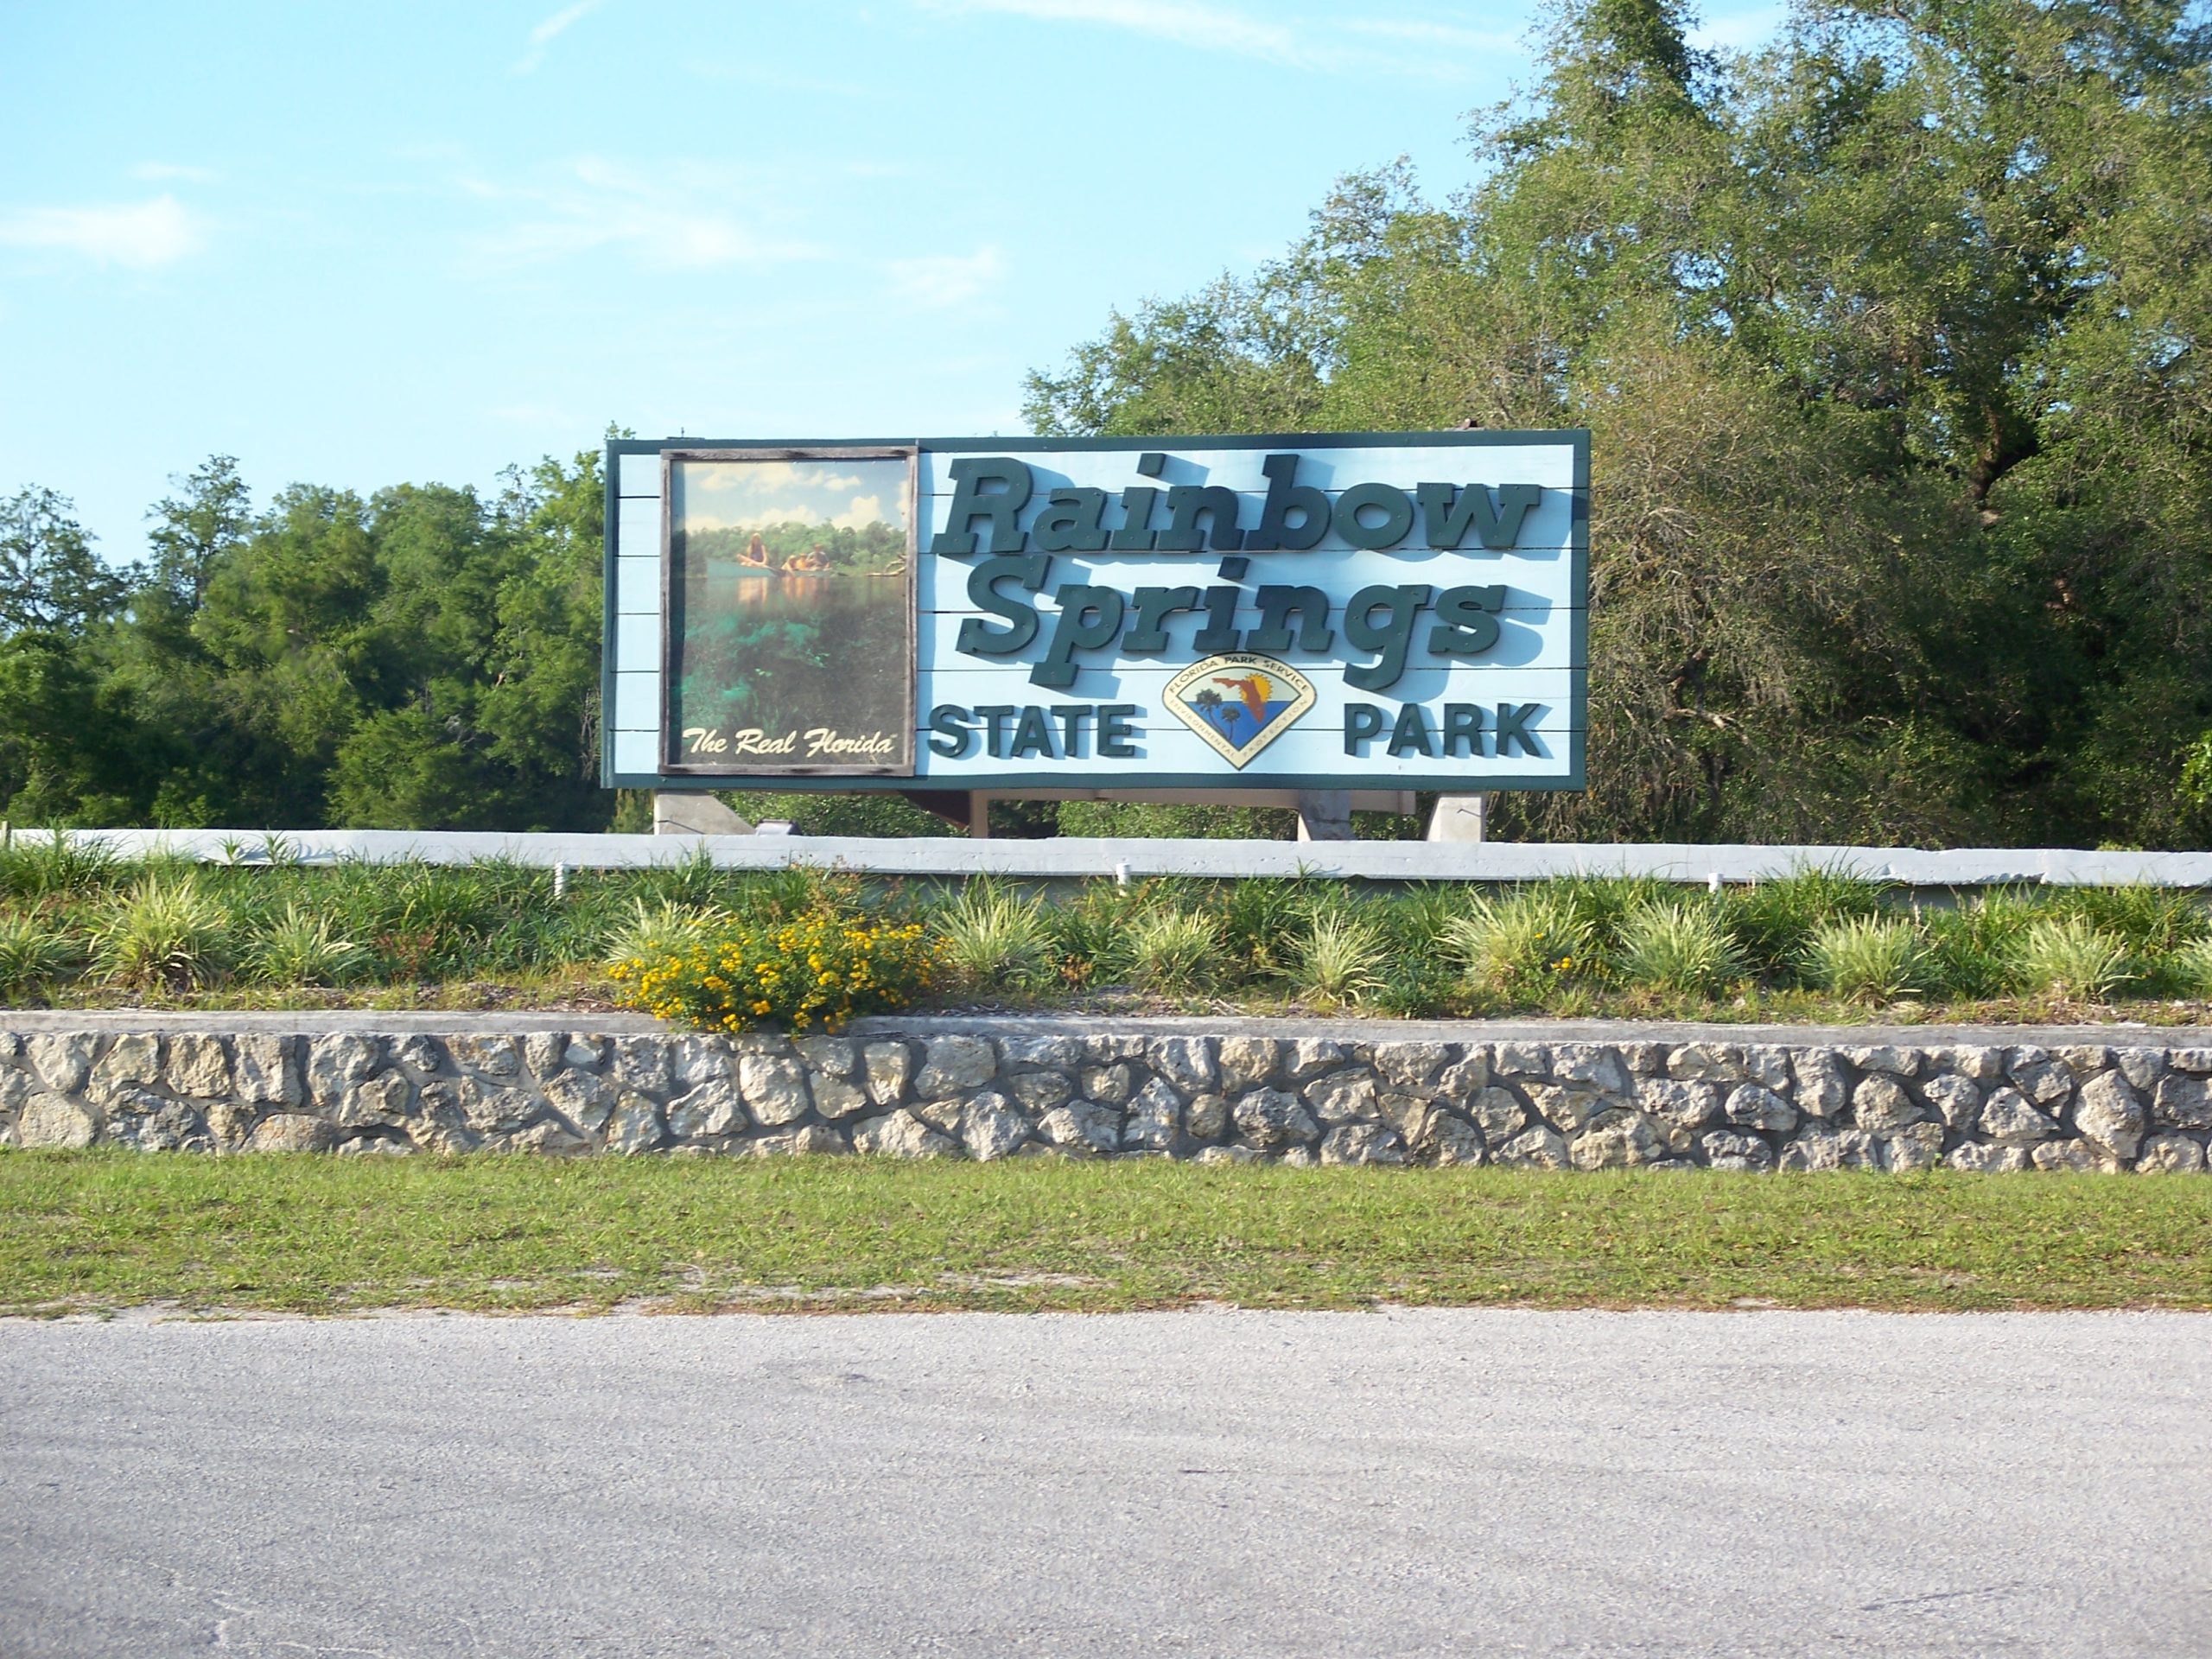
[1147, 636]
[978, 637]
[1072, 522]
[970, 501]
[1117, 731]
[1393, 639]
[1185, 503]
[1445, 522]
[1410, 735]
[1466, 620]
[1277, 606]
[1513, 719]
[1089, 618]
[1397, 516]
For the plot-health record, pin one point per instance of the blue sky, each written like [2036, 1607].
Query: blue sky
[364, 245]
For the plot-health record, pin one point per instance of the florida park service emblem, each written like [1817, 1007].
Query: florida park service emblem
[1239, 703]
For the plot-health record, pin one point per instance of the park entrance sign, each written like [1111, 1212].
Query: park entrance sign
[1317, 612]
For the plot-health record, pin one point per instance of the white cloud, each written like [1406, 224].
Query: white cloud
[939, 281]
[542, 35]
[1448, 36]
[680, 218]
[1218, 28]
[1206, 27]
[862, 511]
[140, 234]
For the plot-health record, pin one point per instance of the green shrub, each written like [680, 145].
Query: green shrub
[848, 813]
[819, 970]
[2191, 968]
[650, 932]
[2150, 921]
[1261, 919]
[1973, 944]
[2067, 957]
[1606, 903]
[301, 948]
[1338, 959]
[1775, 921]
[32, 953]
[990, 937]
[1175, 950]
[58, 864]
[1150, 821]
[1676, 946]
[1519, 943]
[1880, 958]
[164, 934]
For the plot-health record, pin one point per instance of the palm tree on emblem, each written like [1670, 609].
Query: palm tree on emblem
[1208, 702]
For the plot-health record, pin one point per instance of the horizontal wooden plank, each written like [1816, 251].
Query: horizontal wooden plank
[941, 583]
[1550, 464]
[637, 701]
[1146, 686]
[637, 642]
[1301, 751]
[637, 586]
[1549, 527]
[637, 530]
[636, 752]
[1521, 643]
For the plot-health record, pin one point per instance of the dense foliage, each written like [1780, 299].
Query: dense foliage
[423, 658]
[1891, 344]
[1891, 340]
[806, 949]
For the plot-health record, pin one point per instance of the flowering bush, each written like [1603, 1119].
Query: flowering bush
[816, 969]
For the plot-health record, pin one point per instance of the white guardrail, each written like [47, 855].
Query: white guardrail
[1072, 857]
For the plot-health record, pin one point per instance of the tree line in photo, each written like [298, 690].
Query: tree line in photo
[790, 544]
[1891, 338]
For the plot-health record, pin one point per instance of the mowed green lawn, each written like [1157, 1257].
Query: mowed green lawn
[92, 1232]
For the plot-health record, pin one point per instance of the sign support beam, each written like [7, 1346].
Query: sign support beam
[1325, 814]
[1460, 817]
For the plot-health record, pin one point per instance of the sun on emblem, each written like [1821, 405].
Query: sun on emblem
[1239, 703]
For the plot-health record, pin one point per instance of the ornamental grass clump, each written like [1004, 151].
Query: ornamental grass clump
[1670, 946]
[32, 953]
[2191, 968]
[1175, 950]
[301, 948]
[814, 971]
[1338, 959]
[651, 933]
[991, 938]
[164, 935]
[1524, 943]
[1880, 958]
[2067, 956]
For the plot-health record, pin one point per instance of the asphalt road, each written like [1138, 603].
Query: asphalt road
[1469, 1483]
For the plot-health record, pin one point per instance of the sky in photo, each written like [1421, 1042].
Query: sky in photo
[731, 495]
[413, 242]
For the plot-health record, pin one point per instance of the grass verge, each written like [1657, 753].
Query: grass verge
[92, 1232]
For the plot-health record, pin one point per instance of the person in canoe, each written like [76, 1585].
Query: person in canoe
[755, 554]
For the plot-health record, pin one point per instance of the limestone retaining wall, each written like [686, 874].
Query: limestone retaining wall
[1251, 1090]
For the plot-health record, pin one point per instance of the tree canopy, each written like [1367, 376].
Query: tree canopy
[423, 658]
[1891, 340]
